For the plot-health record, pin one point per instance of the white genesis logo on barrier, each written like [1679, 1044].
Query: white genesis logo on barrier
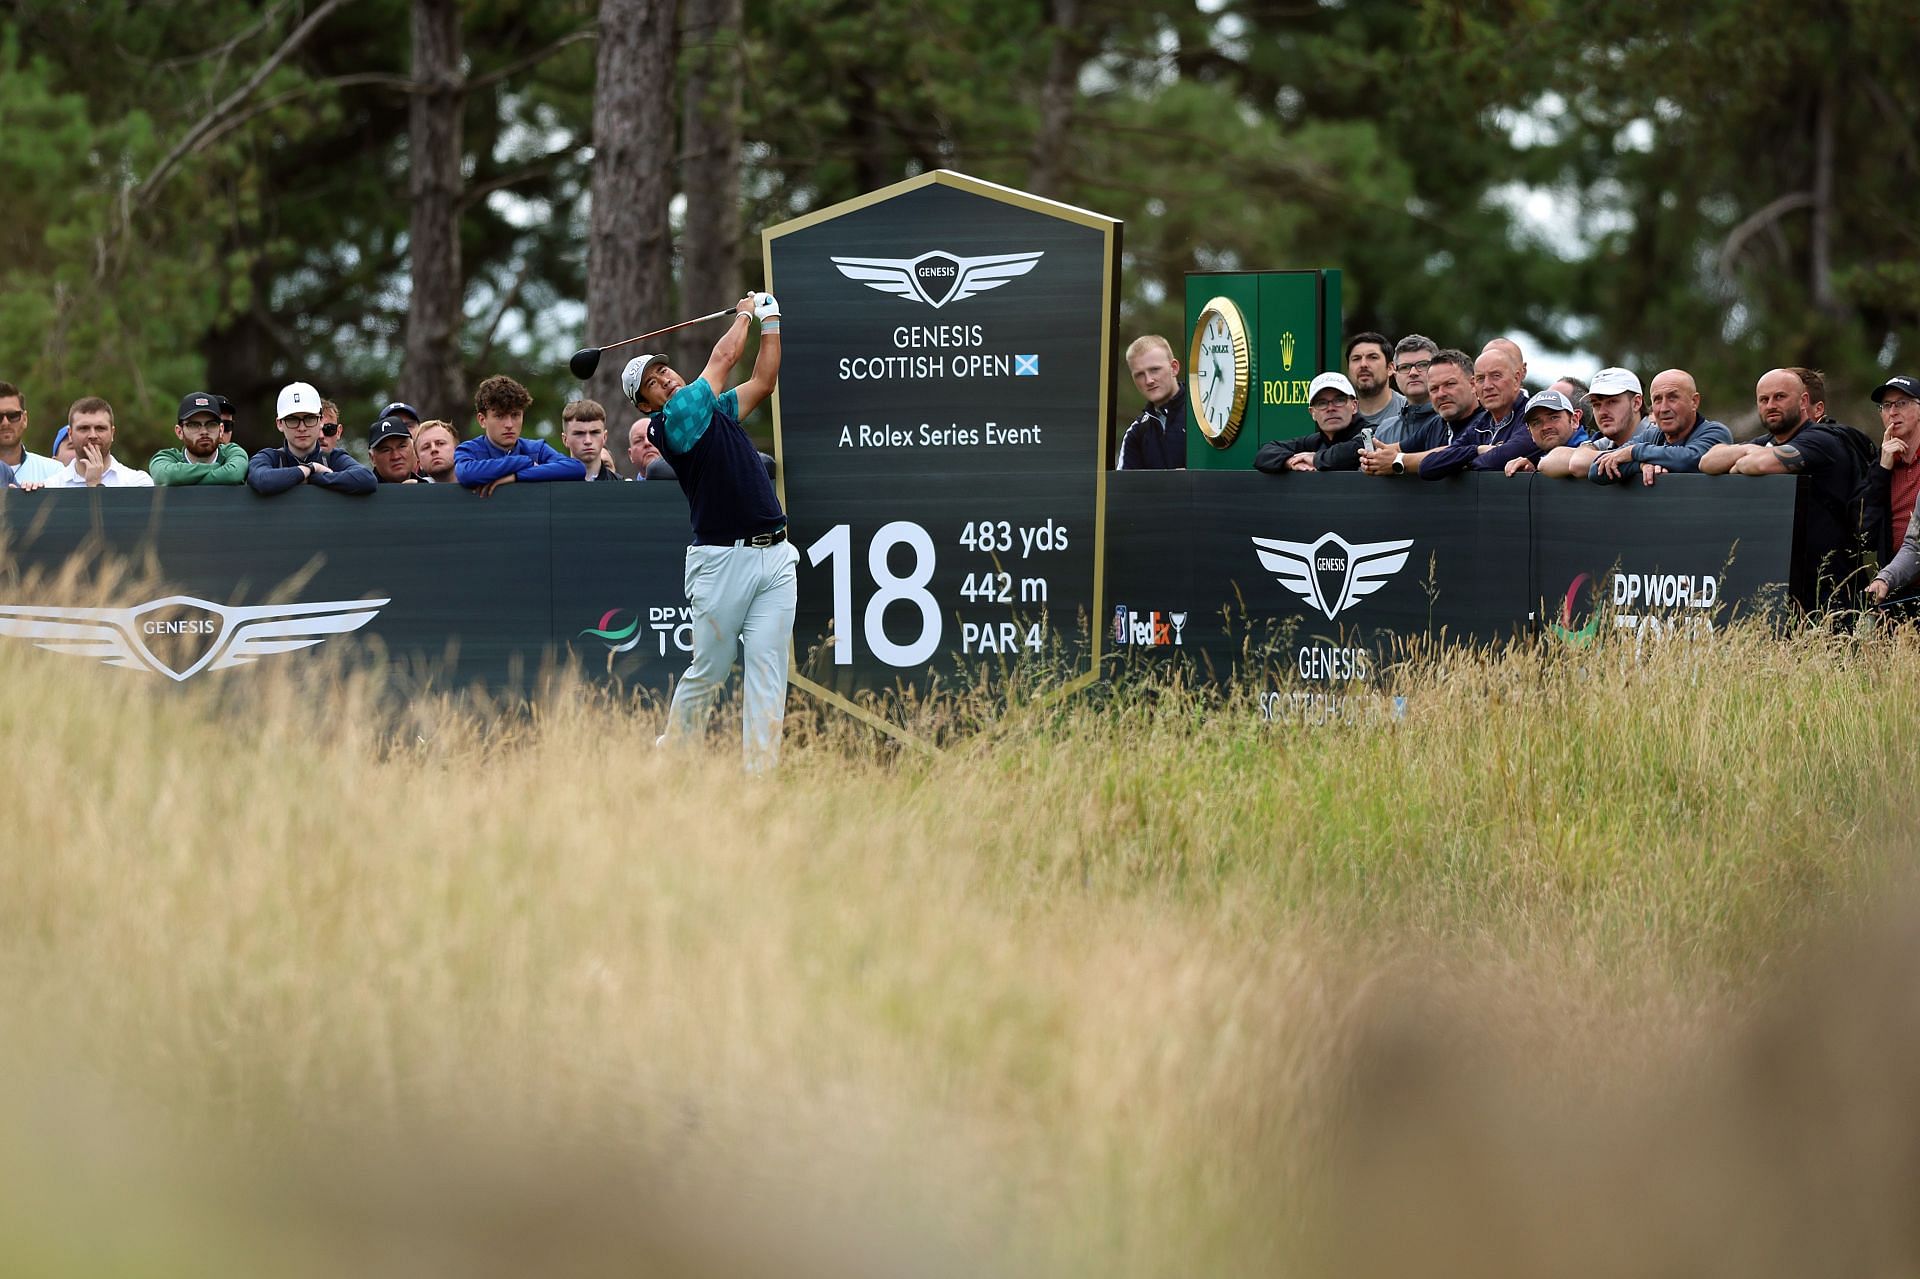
[1332, 574]
[224, 635]
[937, 278]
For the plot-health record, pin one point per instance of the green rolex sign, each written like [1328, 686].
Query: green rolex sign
[1255, 339]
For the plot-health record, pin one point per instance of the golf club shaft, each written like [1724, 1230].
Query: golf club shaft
[641, 337]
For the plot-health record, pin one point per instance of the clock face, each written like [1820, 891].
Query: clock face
[1217, 370]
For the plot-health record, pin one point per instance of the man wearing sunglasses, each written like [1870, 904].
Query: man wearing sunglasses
[305, 458]
[201, 457]
[27, 468]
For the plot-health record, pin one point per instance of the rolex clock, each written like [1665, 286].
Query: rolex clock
[1219, 370]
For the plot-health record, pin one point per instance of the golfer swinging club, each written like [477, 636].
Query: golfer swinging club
[740, 567]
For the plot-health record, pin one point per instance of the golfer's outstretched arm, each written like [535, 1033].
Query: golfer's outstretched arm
[766, 371]
[726, 352]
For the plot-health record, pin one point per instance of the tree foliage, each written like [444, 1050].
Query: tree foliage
[216, 192]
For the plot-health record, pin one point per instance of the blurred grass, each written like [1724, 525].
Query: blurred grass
[1098, 992]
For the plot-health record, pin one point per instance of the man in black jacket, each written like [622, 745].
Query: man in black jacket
[303, 459]
[1157, 439]
[1335, 442]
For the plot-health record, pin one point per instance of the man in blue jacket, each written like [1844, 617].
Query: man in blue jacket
[498, 455]
[304, 458]
[1675, 440]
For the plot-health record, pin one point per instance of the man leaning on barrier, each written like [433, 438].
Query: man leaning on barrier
[1419, 426]
[1157, 439]
[90, 423]
[1450, 388]
[390, 448]
[1677, 439]
[1495, 424]
[304, 458]
[201, 457]
[500, 454]
[1614, 399]
[1335, 442]
[1553, 422]
[1835, 459]
[433, 446]
[1899, 480]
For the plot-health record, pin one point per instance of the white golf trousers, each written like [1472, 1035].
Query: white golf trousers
[740, 595]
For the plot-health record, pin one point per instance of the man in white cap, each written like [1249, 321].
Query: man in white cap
[304, 458]
[1335, 442]
[1675, 440]
[740, 568]
[1614, 398]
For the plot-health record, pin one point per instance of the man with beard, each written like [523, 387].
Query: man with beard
[27, 468]
[1675, 440]
[1378, 404]
[201, 457]
[1614, 398]
[1450, 390]
[1834, 542]
[1330, 399]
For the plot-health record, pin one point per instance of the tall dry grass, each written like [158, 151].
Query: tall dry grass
[296, 980]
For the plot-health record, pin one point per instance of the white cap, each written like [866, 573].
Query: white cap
[631, 375]
[1331, 381]
[297, 397]
[1614, 381]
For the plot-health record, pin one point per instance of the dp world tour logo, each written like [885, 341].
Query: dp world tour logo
[181, 636]
[618, 639]
[1332, 574]
[937, 278]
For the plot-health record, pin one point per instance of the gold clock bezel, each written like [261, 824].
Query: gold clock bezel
[1221, 434]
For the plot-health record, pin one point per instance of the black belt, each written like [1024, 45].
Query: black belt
[774, 538]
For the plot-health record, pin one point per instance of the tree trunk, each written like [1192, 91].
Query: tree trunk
[431, 376]
[710, 175]
[1057, 97]
[1821, 255]
[629, 244]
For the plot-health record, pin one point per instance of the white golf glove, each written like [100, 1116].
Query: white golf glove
[765, 307]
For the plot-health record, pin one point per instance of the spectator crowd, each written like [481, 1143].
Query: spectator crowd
[1412, 408]
[401, 447]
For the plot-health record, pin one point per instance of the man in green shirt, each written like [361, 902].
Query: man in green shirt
[202, 458]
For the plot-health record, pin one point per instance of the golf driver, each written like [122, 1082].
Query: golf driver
[587, 358]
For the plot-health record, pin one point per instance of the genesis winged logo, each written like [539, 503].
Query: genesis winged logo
[181, 636]
[937, 278]
[1332, 574]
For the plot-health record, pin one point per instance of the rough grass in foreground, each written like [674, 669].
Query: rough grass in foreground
[1129, 985]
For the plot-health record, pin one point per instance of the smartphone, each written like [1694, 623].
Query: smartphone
[1366, 438]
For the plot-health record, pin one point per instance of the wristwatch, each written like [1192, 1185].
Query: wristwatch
[1399, 467]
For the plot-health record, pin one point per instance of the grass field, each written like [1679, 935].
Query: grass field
[1594, 963]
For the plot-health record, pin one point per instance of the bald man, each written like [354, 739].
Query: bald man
[1676, 438]
[1836, 466]
[1513, 353]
